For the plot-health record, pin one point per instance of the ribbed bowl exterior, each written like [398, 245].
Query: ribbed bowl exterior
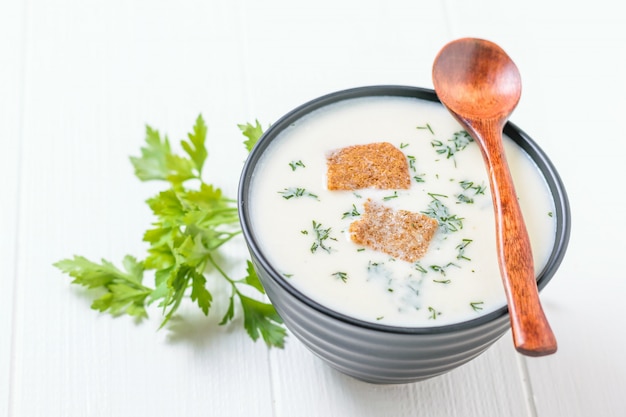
[374, 355]
[377, 353]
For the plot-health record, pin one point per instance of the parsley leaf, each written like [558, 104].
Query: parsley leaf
[195, 146]
[124, 291]
[252, 279]
[157, 162]
[152, 165]
[190, 226]
[261, 318]
[252, 132]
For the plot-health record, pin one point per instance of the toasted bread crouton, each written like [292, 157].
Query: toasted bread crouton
[402, 234]
[375, 165]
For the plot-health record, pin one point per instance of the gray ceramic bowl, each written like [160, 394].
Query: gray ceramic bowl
[373, 352]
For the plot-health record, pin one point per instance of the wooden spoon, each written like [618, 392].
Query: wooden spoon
[480, 85]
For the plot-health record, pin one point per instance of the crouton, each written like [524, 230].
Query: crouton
[402, 234]
[375, 165]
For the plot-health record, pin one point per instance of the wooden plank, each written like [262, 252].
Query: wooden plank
[12, 44]
[587, 376]
[478, 388]
[338, 46]
[97, 73]
[572, 64]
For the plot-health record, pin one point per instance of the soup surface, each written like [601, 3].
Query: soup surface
[302, 227]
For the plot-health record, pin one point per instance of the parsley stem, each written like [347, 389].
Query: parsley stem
[232, 282]
[210, 259]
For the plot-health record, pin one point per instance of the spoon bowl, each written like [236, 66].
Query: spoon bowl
[481, 86]
[478, 79]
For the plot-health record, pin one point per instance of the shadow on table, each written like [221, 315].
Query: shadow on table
[192, 327]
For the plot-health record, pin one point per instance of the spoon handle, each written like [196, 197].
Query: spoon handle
[532, 334]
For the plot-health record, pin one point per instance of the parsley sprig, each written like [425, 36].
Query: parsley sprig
[191, 225]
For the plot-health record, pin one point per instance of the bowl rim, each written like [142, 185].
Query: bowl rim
[545, 165]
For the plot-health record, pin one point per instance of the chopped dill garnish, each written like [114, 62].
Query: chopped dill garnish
[341, 275]
[470, 186]
[435, 195]
[477, 305]
[427, 126]
[462, 198]
[442, 269]
[372, 265]
[321, 236]
[352, 213]
[389, 197]
[459, 141]
[292, 192]
[296, 164]
[461, 249]
[433, 313]
[439, 211]
[411, 160]
[419, 178]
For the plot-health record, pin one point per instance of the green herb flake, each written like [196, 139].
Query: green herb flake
[351, 213]
[373, 265]
[457, 143]
[295, 192]
[470, 186]
[420, 268]
[442, 269]
[419, 178]
[390, 197]
[433, 313]
[412, 160]
[427, 126]
[296, 164]
[461, 249]
[341, 275]
[321, 237]
[449, 223]
[477, 305]
[462, 198]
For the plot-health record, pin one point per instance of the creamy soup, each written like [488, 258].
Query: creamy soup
[302, 227]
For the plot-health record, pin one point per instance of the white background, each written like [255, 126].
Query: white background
[80, 79]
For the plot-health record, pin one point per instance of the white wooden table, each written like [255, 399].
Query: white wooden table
[79, 79]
